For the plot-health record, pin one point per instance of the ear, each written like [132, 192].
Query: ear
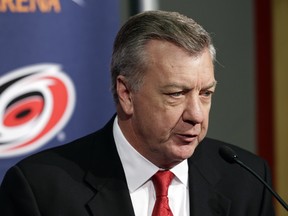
[124, 95]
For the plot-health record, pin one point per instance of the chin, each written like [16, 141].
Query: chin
[186, 151]
[180, 156]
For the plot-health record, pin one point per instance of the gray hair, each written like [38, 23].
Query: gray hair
[129, 57]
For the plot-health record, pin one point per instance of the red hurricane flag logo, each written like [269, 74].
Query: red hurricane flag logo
[36, 102]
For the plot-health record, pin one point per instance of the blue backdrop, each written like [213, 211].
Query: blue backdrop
[54, 73]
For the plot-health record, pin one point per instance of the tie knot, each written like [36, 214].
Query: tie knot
[161, 181]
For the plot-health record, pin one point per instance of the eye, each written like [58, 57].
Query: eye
[176, 94]
[206, 93]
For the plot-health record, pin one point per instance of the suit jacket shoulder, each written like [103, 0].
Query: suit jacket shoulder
[84, 177]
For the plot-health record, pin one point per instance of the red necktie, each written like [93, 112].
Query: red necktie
[161, 181]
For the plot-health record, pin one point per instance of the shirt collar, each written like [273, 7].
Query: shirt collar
[137, 168]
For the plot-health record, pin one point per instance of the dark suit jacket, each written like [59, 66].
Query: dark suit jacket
[86, 177]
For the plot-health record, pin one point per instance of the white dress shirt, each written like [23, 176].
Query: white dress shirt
[138, 171]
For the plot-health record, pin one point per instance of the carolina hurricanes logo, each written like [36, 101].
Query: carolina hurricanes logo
[36, 102]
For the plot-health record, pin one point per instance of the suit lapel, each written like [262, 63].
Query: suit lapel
[111, 197]
[203, 179]
[106, 177]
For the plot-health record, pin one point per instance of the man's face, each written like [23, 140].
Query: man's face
[170, 112]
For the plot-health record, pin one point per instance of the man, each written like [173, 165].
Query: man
[162, 82]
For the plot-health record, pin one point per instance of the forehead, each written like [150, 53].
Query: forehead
[167, 61]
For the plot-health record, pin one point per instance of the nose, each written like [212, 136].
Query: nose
[193, 111]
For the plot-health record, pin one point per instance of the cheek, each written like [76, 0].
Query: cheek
[160, 122]
[156, 115]
[157, 124]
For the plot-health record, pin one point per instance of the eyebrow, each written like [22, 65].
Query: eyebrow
[213, 84]
[181, 86]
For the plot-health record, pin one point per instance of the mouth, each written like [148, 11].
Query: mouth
[186, 138]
